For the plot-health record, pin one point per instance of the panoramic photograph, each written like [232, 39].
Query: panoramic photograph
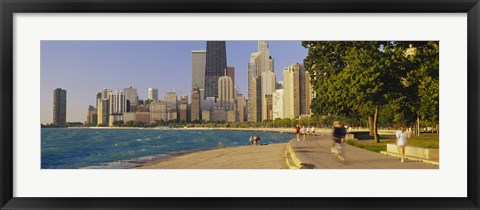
[256, 104]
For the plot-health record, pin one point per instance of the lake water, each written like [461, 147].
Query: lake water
[104, 148]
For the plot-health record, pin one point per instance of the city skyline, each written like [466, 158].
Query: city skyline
[135, 64]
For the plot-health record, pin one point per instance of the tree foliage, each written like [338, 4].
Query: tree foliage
[357, 79]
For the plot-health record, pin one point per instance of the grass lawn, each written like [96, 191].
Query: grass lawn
[428, 140]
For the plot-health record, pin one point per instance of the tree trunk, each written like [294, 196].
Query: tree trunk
[370, 125]
[375, 123]
[418, 125]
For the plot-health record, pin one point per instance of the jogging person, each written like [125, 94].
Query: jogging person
[339, 133]
[402, 141]
[297, 132]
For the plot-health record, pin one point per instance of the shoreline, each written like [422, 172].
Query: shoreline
[277, 130]
[145, 161]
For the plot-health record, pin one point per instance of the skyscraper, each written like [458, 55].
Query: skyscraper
[91, 116]
[118, 102]
[268, 112]
[198, 70]
[99, 96]
[102, 112]
[264, 56]
[305, 93]
[216, 62]
[184, 108]
[59, 106]
[131, 95]
[252, 73]
[296, 87]
[103, 105]
[268, 88]
[153, 94]
[270, 64]
[261, 66]
[230, 71]
[158, 111]
[277, 104]
[255, 112]
[195, 104]
[225, 91]
[172, 105]
[117, 106]
[242, 108]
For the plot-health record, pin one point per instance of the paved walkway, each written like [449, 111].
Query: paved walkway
[315, 151]
[243, 157]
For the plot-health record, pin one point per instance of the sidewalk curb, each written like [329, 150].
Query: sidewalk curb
[411, 158]
[295, 162]
[288, 159]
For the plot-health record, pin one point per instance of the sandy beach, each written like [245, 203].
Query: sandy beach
[242, 157]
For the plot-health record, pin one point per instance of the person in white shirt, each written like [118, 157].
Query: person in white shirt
[304, 132]
[308, 131]
[402, 141]
[313, 130]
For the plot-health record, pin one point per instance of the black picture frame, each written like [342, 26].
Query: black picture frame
[10, 7]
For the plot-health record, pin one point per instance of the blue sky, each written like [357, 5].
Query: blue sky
[84, 68]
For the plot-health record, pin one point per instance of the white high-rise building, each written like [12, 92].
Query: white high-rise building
[198, 70]
[261, 67]
[118, 103]
[277, 103]
[153, 94]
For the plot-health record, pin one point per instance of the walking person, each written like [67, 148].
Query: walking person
[313, 130]
[304, 132]
[308, 131]
[251, 140]
[402, 141]
[297, 132]
[339, 133]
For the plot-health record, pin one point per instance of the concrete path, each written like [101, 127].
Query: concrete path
[315, 151]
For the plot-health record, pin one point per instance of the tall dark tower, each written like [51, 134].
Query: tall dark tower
[59, 106]
[216, 62]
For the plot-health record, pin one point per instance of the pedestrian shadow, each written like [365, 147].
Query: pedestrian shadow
[307, 166]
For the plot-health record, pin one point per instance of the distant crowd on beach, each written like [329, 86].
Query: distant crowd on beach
[255, 140]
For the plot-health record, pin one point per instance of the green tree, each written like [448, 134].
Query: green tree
[350, 78]
[357, 79]
[416, 66]
[118, 123]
